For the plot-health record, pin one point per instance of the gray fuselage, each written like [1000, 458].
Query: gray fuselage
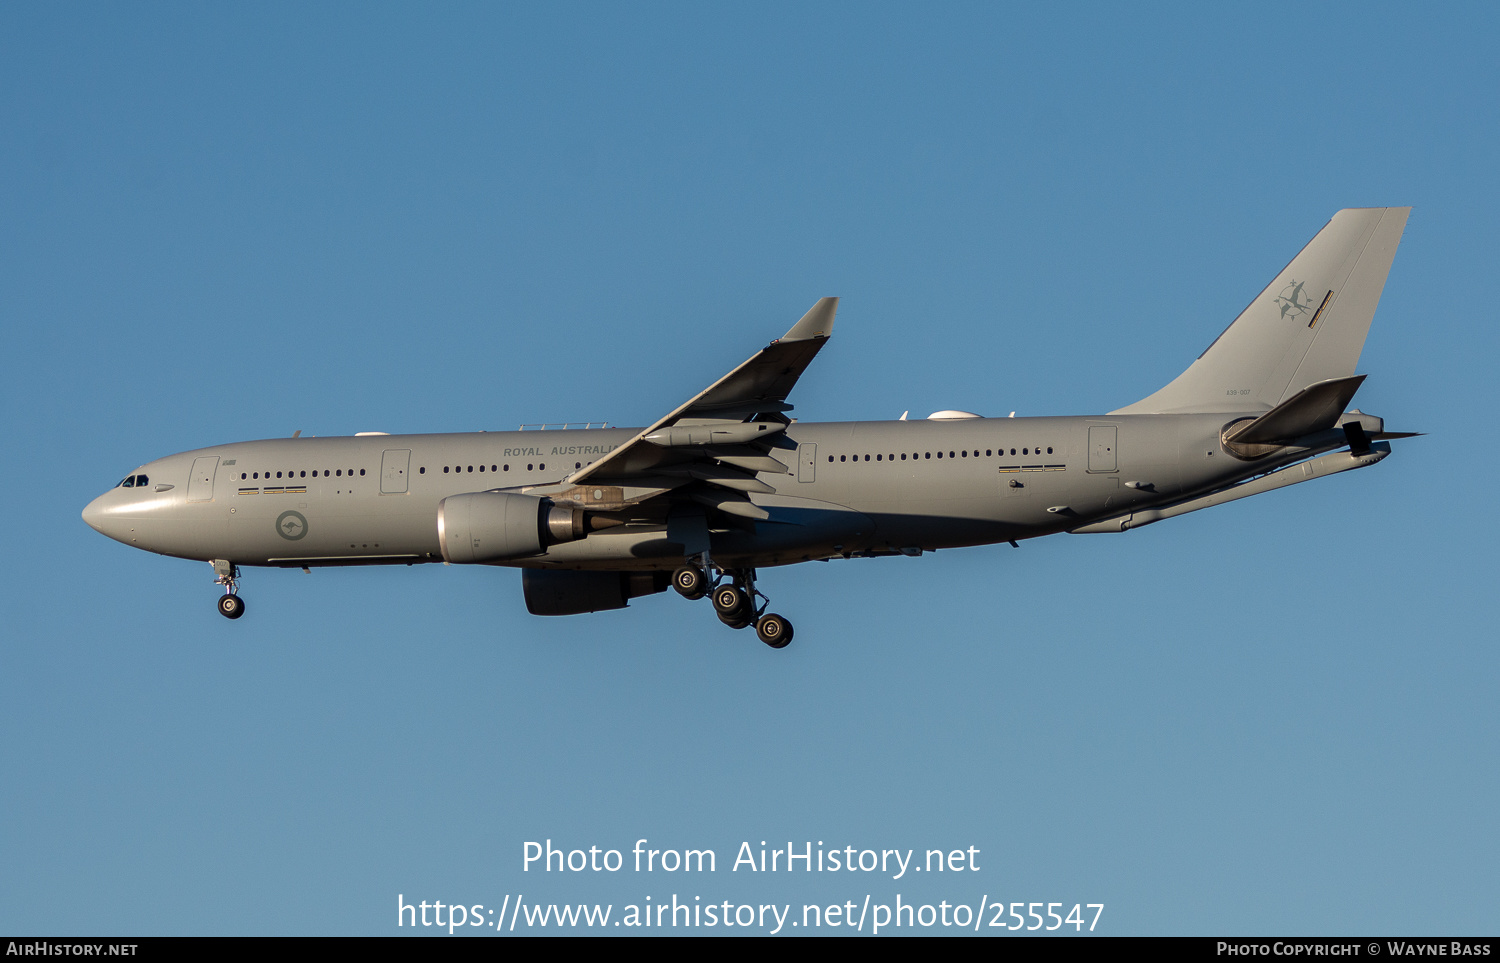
[850, 488]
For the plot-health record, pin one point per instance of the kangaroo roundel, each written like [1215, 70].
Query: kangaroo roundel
[291, 526]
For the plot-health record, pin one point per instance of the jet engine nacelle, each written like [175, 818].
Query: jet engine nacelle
[480, 527]
[551, 592]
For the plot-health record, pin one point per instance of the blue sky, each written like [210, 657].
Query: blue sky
[224, 223]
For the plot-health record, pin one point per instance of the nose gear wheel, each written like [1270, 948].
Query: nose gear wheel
[227, 574]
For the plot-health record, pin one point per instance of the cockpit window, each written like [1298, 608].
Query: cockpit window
[134, 481]
[141, 481]
[129, 482]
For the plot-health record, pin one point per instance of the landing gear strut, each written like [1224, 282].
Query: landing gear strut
[734, 598]
[227, 574]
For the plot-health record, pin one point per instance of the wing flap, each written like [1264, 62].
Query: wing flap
[749, 458]
[731, 504]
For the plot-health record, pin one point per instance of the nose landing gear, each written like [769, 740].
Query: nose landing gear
[734, 602]
[227, 574]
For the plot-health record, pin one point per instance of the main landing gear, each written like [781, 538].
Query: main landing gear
[227, 574]
[734, 596]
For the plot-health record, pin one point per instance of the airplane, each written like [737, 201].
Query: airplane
[727, 483]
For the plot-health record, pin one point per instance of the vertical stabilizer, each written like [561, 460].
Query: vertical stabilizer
[1308, 325]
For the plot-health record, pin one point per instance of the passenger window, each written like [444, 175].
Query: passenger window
[505, 468]
[841, 458]
[877, 458]
[243, 476]
[361, 471]
[965, 453]
[541, 467]
[830, 458]
[1049, 451]
[445, 469]
[481, 469]
[929, 454]
[339, 472]
[422, 470]
[903, 456]
[529, 468]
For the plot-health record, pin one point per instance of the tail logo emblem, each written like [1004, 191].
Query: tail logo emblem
[1294, 300]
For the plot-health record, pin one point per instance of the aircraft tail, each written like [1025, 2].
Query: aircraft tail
[1307, 326]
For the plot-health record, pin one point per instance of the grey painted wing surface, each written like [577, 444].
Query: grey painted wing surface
[1308, 325]
[760, 384]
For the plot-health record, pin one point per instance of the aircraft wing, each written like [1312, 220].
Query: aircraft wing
[715, 434]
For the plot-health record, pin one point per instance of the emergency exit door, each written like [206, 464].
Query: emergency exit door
[1103, 441]
[807, 463]
[394, 465]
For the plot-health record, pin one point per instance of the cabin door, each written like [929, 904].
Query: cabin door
[1103, 442]
[394, 465]
[807, 463]
[201, 482]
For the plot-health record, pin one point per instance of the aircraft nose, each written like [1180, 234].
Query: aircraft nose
[93, 514]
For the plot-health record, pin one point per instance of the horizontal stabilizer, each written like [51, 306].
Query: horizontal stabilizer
[1314, 408]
